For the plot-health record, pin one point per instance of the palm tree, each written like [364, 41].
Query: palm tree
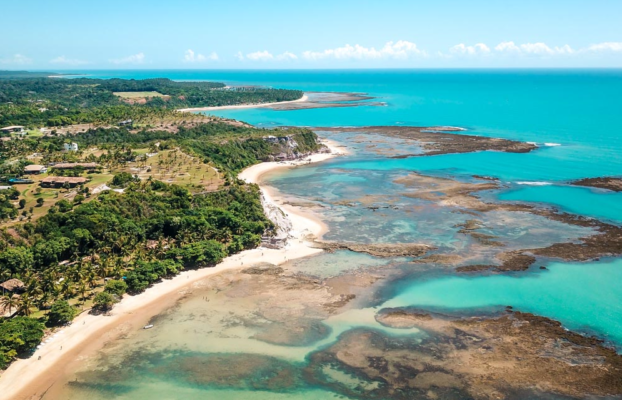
[25, 304]
[83, 289]
[9, 302]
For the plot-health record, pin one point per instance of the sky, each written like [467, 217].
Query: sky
[318, 34]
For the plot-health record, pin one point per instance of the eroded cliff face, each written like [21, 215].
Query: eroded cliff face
[294, 147]
[276, 238]
[286, 148]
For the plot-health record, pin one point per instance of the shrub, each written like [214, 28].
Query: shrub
[116, 287]
[64, 206]
[104, 301]
[61, 313]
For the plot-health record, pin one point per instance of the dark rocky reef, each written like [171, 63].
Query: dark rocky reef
[607, 182]
[436, 140]
[378, 250]
[487, 357]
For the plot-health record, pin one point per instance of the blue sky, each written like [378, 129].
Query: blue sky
[151, 34]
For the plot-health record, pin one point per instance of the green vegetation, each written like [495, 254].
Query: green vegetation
[229, 148]
[104, 301]
[7, 209]
[79, 248]
[61, 313]
[18, 335]
[116, 287]
[53, 102]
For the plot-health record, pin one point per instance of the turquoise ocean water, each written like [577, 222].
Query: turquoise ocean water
[573, 115]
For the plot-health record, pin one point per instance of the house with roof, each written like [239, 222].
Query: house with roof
[35, 169]
[13, 129]
[12, 286]
[87, 166]
[60, 181]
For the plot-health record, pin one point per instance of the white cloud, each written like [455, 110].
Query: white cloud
[479, 48]
[67, 61]
[287, 56]
[508, 47]
[605, 47]
[398, 50]
[191, 57]
[538, 49]
[266, 56]
[260, 56]
[19, 59]
[133, 59]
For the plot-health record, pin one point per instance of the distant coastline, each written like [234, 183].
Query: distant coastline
[259, 105]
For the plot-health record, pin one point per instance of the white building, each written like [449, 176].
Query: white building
[71, 146]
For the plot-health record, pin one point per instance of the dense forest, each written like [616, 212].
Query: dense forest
[37, 102]
[153, 230]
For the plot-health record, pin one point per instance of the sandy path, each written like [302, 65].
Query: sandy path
[259, 105]
[30, 376]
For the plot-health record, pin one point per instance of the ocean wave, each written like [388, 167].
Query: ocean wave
[552, 144]
[535, 183]
[444, 128]
[534, 143]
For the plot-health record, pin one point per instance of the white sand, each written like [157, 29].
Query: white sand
[25, 376]
[259, 105]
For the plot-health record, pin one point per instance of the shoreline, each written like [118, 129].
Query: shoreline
[259, 105]
[30, 377]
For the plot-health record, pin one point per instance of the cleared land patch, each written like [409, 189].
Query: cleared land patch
[138, 95]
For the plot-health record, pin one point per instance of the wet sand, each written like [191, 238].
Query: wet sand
[30, 377]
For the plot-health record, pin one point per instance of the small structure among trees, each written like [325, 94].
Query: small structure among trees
[61, 181]
[13, 286]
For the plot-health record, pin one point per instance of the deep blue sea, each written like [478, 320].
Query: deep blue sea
[575, 117]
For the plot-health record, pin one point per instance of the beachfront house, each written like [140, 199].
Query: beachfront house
[71, 146]
[35, 169]
[13, 129]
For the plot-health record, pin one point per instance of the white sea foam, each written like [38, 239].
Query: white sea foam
[535, 183]
[446, 128]
[534, 143]
[552, 144]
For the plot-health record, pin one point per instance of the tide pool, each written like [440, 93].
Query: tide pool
[584, 297]
[585, 201]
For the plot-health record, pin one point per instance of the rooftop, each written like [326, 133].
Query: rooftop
[12, 284]
[63, 179]
[34, 167]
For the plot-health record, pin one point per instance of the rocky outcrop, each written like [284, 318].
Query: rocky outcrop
[276, 238]
[287, 148]
[607, 182]
[379, 250]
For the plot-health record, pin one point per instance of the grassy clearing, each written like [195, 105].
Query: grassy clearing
[175, 166]
[138, 95]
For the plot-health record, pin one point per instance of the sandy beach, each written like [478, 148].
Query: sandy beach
[31, 377]
[260, 105]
